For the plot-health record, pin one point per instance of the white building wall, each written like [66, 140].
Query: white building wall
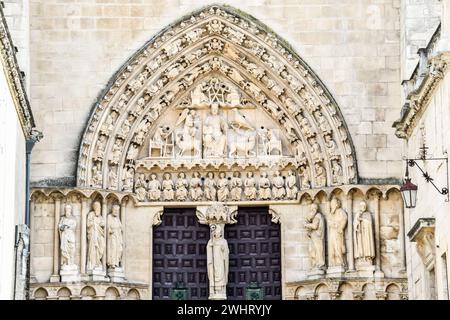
[430, 204]
[12, 188]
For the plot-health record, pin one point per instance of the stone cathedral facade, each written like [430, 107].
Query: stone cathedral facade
[222, 151]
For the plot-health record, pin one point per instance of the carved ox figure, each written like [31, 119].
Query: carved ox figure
[244, 144]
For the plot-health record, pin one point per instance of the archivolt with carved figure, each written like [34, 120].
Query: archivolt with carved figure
[216, 92]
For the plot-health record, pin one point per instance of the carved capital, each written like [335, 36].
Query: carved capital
[217, 213]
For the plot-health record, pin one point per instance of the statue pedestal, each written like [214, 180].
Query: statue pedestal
[98, 274]
[218, 296]
[337, 271]
[70, 274]
[365, 269]
[116, 274]
[55, 278]
[316, 274]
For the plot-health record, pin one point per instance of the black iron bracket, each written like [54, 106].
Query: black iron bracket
[428, 178]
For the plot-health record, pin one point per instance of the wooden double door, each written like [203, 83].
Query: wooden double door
[179, 255]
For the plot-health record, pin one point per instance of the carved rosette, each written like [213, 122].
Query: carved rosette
[266, 72]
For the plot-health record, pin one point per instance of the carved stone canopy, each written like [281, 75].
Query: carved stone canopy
[423, 234]
[176, 72]
[217, 213]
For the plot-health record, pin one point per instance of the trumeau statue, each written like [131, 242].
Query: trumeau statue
[115, 239]
[337, 222]
[167, 187]
[222, 187]
[250, 191]
[217, 253]
[210, 187]
[95, 236]
[363, 235]
[67, 225]
[315, 227]
[236, 186]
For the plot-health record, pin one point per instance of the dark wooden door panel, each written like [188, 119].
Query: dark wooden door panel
[255, 254]
[179, 254]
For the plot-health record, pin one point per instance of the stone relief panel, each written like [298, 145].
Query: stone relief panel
[217, 70]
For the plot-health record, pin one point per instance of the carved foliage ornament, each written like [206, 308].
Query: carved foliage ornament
[215, 40]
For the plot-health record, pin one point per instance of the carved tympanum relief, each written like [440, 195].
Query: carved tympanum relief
[241, 97]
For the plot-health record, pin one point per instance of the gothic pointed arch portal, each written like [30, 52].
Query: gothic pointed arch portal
[215, 92]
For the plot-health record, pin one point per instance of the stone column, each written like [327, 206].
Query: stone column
[401, 219]
[123, 213]
[83, 249]
[378, 272]
[350, 256]
[105, 216]
[55, 276]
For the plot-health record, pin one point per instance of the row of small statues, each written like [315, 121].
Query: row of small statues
[223, 189]
[363, 236]
[96, 240]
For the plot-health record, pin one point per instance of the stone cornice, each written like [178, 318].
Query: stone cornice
[421, 225]
[15, 79]
[418, 99]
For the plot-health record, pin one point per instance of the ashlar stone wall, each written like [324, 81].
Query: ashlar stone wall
[75, 47]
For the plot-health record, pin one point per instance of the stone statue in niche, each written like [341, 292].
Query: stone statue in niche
[97, 176]
[140, 187]
[236, 186]
[223, 190]
[132, 153]
[337, 172]
[95, 237]
[210, 187]
[315, 227]
[304, 175]
[363, 235]
[215, 133]
[195, 187]
[100, 149]
[316, 153]
[293, 107]
[108, 125]
[116, 152]
[264, 187]
[278, 190]
[300, 153]
[321, 175]
[250, 191]
[337, 222]
[331, 147]
[126, 126]
[181, 191]
[167, 187]
[323, 123]
[67, 226]
[217, 253]
[306, 128]
[112, 178]
[291, 185]
[154, 188]
[115, 239]
[127, 178]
